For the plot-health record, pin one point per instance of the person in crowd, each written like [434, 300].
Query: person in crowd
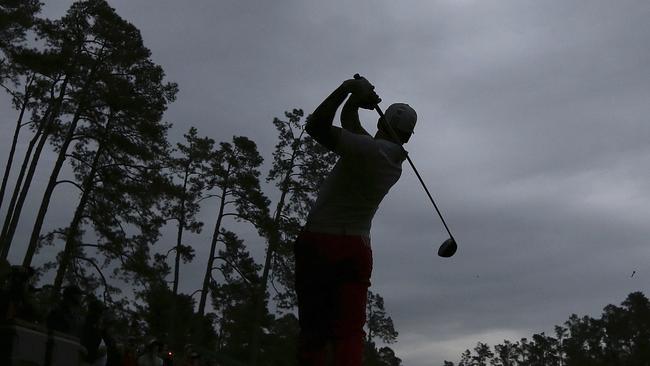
[150, 356]
[17, 294]
[92, 333]
[129, 356]
[65, 317]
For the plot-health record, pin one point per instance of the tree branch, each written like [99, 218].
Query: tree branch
[208, 197]
[78, 159]
[101, 274]
[11, 92]
[233, 267]
[71, 182]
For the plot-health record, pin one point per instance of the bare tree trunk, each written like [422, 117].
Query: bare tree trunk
[73, 228]
[5, 244]
[47, 196]
[213, 247]
[14, 142]
[38, 224]
[21, 188]
[177, 259]
[179, 234]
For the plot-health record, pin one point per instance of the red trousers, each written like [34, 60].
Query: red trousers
[332, 280]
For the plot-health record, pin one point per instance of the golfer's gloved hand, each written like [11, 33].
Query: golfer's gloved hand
[362, 93]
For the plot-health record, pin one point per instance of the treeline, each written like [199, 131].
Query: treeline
[620, 337]
[86, 86]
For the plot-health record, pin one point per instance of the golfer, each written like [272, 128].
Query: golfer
[333, 255]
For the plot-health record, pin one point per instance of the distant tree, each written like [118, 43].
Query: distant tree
[280, 343]
[465, 358]
[378, 323]
[622, 331]
[232, 295]
[479, 356]
[543, 350]
[161, 304]
[124, 161]
[17, 18]
[585, 345]
[123, 95]
[505, 354]
[20, 102]
[47, 93]
[619, 338]
[387, 357]
[637, 307]
[236, 184]
[32, 71]
[93, 52]
[191, 166]
[123, 213]
[119, 137]
[384, 356]
[561, 335]
[379, 326]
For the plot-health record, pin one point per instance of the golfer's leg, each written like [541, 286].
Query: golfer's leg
[352, 297]
[312, 340]
[314, 335]
[349, 337]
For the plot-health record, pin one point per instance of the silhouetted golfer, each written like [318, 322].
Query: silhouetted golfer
[333, 254]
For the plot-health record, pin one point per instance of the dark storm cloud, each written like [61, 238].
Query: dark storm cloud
[533, 135]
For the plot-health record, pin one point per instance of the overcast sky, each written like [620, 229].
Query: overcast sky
[533, 137]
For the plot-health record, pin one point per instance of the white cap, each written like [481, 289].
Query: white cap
[401, 117]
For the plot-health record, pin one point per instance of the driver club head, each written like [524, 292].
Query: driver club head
[448, 248]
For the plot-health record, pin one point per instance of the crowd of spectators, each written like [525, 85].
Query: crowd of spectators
[84, 317]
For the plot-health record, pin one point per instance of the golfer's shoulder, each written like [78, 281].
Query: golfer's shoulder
[356, 138]
[356, 143]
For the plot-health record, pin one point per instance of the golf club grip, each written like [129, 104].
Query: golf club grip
[394, 135]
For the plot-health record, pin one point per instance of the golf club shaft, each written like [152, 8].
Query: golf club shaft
[396, 138]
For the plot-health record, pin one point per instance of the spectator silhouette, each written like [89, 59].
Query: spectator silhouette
[92, 332]
[65, 316]
[129, 356]
[16, 300]
[150, 356]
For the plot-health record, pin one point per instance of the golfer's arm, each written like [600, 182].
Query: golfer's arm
[319, 125]
[350, 118]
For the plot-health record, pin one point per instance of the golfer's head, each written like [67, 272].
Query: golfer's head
[402, 119]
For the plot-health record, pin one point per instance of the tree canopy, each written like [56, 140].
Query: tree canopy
[619, 337]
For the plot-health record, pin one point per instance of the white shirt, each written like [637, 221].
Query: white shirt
[349, 197]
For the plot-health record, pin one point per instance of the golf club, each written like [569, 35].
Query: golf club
[449, 246]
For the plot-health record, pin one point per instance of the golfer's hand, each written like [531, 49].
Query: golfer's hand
[362, 93]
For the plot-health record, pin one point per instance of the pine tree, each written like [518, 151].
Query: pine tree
[232, 294]
[191, 167]
[17, 18]
[379, 326]
[235, 169]
[618, 338]
[116, 93]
